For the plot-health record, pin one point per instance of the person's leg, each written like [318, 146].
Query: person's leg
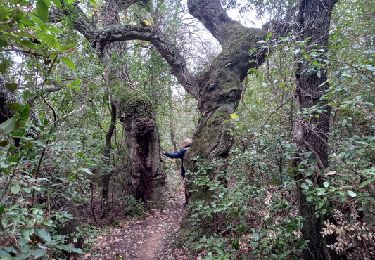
[186, 191]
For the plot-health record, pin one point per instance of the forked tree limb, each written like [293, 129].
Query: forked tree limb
[100, 38]
[210, 13]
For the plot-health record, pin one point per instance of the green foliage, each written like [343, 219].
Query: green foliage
[135, 103]
[278, 239]
[24, 29]
[133, 207]
[38, 170]
[240, 218]
[263, 130]
[28, 227]
[51, 147]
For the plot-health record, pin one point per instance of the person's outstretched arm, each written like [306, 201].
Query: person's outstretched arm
[180, 154]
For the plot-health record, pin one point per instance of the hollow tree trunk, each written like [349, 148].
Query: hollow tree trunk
[311, 134]
[147, 179]
[142, 137]
[143, 146]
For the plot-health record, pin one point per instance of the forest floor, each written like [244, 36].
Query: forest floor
[146, 238]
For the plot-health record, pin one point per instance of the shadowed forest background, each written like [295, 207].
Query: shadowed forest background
[277, 96]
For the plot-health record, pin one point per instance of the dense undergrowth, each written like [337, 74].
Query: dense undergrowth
[52, 142]
[254, 213]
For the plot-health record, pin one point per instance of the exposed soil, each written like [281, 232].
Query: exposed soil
[147, 238]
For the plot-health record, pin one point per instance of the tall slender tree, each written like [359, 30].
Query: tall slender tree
[5, 112]
[110, 17]
[311, 133]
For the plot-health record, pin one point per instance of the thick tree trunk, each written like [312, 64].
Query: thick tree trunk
[143, 147]
[220, 87]
[142, 137]
[147, 179]
[311, 133]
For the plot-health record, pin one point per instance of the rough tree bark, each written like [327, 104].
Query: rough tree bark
[143, 147]
[311, 134]
[218, 88]
[142, 137]
[147, 179]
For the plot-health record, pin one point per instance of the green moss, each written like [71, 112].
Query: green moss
[217, 117]
[241, 37]
[135, 103]
[235, 51]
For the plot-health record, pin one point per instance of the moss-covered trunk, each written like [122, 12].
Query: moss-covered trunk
[220, 87]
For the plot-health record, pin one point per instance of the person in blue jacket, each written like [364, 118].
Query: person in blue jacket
[186, 144]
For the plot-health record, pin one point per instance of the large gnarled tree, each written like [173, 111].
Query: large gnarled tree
[218, 88]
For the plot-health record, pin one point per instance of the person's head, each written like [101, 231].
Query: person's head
[187, 142]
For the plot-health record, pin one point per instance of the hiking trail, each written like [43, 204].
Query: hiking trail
[148, 238]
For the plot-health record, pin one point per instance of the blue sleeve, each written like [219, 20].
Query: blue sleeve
[179, 154]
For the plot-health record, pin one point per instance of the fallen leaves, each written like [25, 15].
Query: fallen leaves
[148, 238]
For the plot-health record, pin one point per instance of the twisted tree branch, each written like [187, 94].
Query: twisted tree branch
[166, 49]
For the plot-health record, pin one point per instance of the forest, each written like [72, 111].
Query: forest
[187, 129]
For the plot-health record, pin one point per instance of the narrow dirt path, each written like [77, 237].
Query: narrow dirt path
[144, 239]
